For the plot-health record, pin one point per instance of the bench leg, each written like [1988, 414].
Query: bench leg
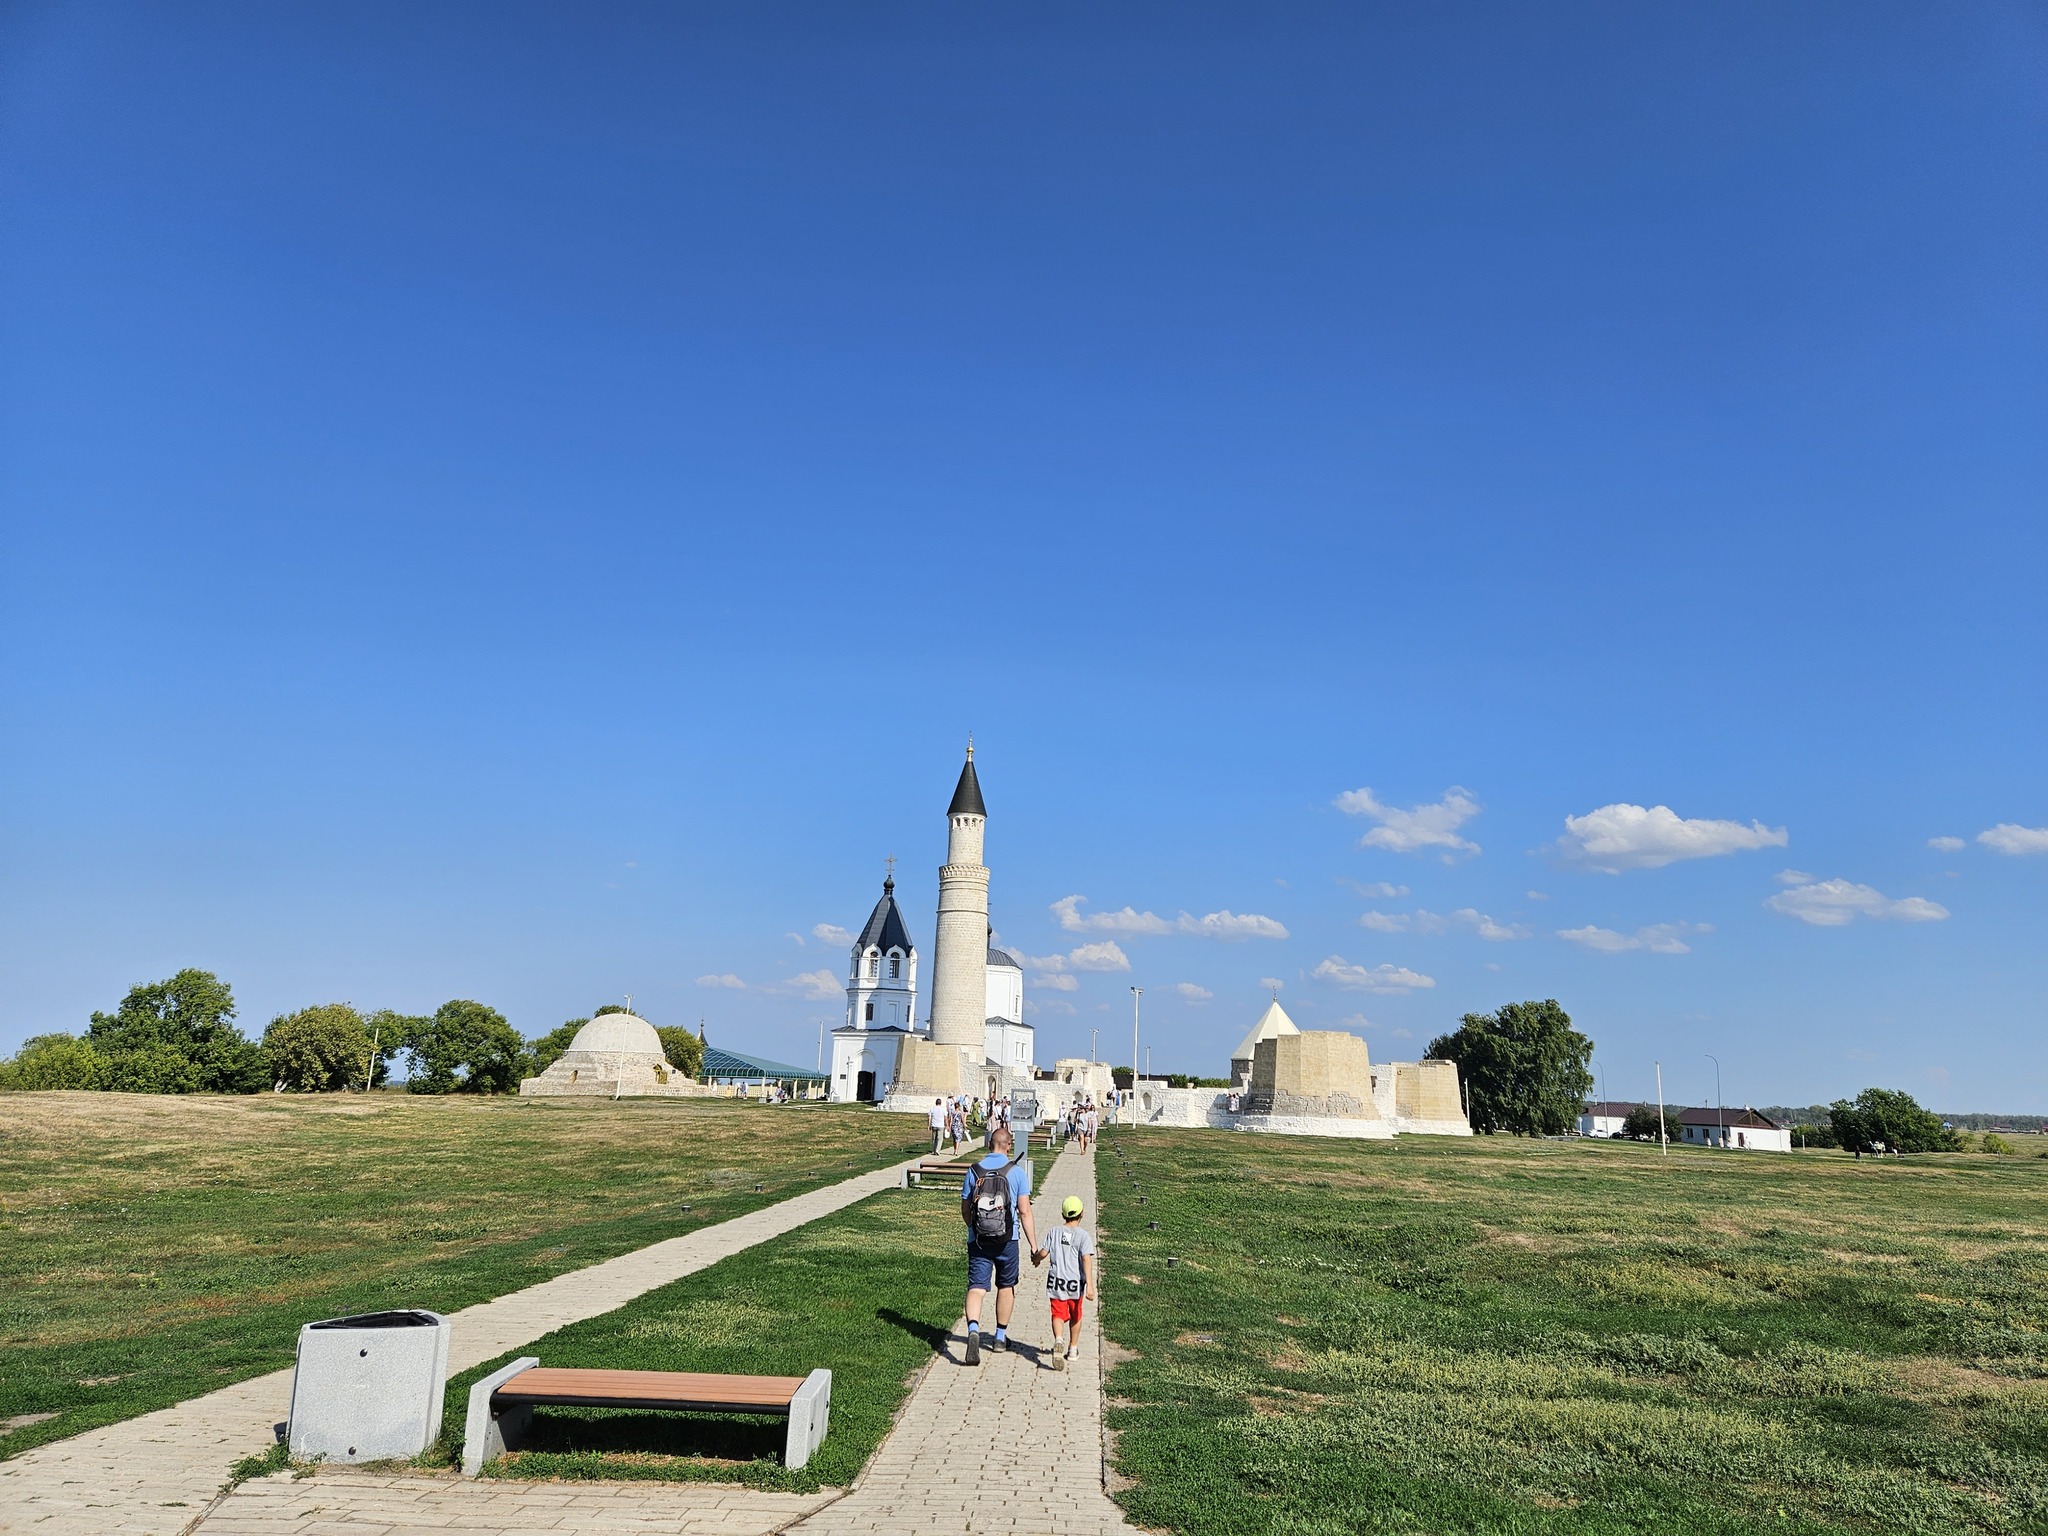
[810, 1416]
[486, 1435]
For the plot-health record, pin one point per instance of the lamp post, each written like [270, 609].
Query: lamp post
[1663, 1138]
[1720, 1113]
[1136, 993]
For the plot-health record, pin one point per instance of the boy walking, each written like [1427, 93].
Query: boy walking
[1070, 1251]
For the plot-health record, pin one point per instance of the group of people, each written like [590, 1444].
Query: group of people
[951, 1119]
[1081, 1120]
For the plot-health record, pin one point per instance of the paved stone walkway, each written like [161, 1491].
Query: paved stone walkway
[931, 1476]
[345, 1502]
[155, 1475]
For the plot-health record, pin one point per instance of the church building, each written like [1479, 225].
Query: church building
[974, 1039]
[881, 1005]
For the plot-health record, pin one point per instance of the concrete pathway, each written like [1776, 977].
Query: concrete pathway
[931, 1474]
[157, 1474]
[344, 1502]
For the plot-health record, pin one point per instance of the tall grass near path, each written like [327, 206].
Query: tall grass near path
[152, 1249]
[1537, 1337]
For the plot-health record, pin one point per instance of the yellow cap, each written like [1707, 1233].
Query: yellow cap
[1070, 1207]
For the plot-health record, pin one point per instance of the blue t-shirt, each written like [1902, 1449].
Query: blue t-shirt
[1020, 1186]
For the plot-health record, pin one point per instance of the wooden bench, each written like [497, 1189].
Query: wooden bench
[501, 1405]
[954, 1171]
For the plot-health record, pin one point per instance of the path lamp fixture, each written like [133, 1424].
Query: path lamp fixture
[1720, 1111]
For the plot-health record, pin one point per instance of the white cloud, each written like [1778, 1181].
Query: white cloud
[1487, 928]
[1422, 920]
[2010, 837]
[1536, 895]
[1048, 1005]
[1068, 910]
[1271, 983]
[818, 986]
[1793, 877]
[727, 980]
[832, 933]
[1056, 981]
[1389, 922]
[1392, 979]
[1657, 939]
[1354, 1022]
[1103, 956]
[1192, 993]
[798, 937]
[1622, 836]
[1946, 844]
[1838, 903]
[1225, 925]
[1418, 827]
[1375, 890]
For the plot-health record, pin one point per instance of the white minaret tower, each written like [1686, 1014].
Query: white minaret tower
[960, 947]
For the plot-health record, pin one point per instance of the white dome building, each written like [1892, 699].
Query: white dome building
[615, 1055]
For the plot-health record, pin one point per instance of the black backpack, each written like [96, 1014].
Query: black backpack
[992, 1203]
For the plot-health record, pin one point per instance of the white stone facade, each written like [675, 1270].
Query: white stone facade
[614, 1056]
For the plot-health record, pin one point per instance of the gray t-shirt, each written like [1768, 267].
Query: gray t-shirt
[1064, 1247]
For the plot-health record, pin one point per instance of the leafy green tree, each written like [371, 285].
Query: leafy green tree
[1523, 1066]
[154, 1068]
[47, 1062]
[1807, 1134]
[1996, 1145]
[1642, 1124]
[190, 1016]
[323, 1049]
[547, 1050]
[1891, 1119]
[685, 1052]
[464, 1048]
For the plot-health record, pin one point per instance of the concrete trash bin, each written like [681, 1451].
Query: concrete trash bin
[369, 1388]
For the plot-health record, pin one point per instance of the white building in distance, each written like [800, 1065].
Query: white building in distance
[881, 1005]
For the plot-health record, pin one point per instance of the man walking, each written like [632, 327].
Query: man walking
[936, 1118]
[995, 1204]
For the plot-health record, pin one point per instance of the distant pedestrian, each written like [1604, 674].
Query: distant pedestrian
[956, 1121]
[1070, 1249]
[995, 1205]
[936, 1118]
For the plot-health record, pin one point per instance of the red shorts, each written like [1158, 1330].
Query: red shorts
[1066, 1309]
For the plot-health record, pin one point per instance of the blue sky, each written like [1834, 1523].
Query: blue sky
[527, 503]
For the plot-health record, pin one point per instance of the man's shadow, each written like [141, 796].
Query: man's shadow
[915, 1327]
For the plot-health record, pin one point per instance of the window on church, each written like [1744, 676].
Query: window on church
[871, 1013]
[895, 967]
[871, 965]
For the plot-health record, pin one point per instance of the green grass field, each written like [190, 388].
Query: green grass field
[1541, 1337]
[868, 1294]
[155, 1248]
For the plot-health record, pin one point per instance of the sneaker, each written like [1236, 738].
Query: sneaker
[973, 1356]
[999, 1343]
[1073, 1354]
[1059, 1361]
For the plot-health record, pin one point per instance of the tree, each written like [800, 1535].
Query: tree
[464, 1048]
[1644, 1124]
[685, 1052]
[47, 1062]
[1524, 1068]
[1889, 1119]
[548, 1049]
[323, 1049]
[189, 1016]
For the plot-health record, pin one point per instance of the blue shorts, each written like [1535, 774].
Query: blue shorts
[992, 1269]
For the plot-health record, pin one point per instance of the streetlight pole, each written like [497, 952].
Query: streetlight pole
[1720, 1111]
[1136, 993]
[1663, 1137]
